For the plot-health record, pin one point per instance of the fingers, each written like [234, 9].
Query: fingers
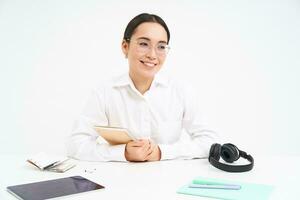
[152, 145]
[139, 143]
[155, 154]
[138, 150]
[151, 151]
[147, 148]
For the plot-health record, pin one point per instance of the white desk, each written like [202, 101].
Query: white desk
[156, 180]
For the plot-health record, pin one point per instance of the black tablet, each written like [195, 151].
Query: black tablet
[53, 188]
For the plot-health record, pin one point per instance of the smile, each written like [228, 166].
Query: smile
[148, 64]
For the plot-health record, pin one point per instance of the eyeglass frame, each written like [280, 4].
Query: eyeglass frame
[167, 47]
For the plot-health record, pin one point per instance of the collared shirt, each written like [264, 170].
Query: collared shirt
[162, 114]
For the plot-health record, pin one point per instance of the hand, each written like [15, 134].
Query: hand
[138, 151]
[155, 155]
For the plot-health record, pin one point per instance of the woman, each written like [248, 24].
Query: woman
[154, 108]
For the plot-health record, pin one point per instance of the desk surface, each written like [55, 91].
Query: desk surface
[155, 180]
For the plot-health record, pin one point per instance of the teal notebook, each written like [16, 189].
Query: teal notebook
[248, 191]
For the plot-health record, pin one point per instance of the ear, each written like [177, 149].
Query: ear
[125, 47]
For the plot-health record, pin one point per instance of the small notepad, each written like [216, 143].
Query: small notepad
[248, 191]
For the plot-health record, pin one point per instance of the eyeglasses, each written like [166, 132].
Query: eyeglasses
[144, 46]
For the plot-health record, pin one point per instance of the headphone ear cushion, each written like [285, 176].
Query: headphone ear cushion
[229, 152]
[215, 151]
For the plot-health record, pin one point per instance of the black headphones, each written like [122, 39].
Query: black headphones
[229, 153]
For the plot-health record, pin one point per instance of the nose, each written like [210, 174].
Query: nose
[151, 54]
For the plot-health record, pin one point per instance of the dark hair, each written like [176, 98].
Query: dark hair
[141, 18]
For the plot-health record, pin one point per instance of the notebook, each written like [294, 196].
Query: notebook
[248, 191]
[49, 162]
[114, 135]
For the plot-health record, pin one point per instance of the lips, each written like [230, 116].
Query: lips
[148, 64]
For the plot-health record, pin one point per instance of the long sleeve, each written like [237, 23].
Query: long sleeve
[196, 126]
[84, 142]
[116, 103]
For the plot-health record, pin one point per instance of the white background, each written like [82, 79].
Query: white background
[243, 58]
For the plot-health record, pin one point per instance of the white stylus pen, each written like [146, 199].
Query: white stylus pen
[209, 186]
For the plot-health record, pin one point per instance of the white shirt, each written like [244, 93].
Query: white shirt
[161, 114]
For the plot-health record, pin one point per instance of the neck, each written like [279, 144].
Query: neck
[140, 83]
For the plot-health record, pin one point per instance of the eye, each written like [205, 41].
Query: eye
[162, 46]
[143, 44]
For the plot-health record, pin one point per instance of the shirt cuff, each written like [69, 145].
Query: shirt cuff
[167, 151]
[117, 152]
[184, 150]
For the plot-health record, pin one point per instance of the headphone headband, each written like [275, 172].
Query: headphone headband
[215, 156]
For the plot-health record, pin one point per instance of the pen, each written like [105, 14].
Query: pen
[201, 182]
[50, 165]
[218, 186]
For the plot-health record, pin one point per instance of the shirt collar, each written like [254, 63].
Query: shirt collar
[161, 79]
[125, 80]
[122, 80]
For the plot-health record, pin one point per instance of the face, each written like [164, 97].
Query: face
[146, 50]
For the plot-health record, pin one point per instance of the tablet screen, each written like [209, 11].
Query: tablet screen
[53, 188]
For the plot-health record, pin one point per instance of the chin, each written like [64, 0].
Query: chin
[149, 73]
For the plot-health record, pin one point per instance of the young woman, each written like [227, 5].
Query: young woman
[154, 108]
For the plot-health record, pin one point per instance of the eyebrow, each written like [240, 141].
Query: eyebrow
[145, 38]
